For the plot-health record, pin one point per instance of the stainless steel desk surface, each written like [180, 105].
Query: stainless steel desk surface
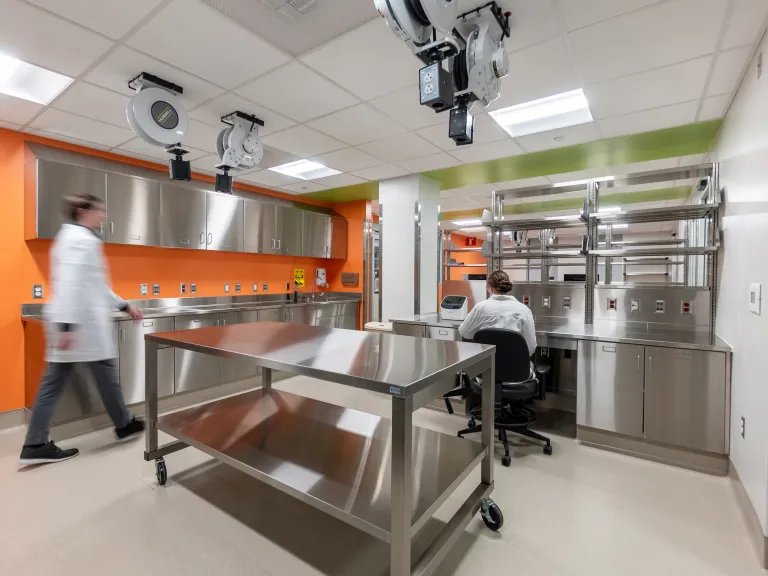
[602, 332]
[396, 365]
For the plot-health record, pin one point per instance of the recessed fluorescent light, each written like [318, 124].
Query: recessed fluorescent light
[305, 169]
[468, 222]
[551, 113]
[566, 217]
[614, 226]
[30, 82]
[579, 182]
[610, 210]
[474, 229]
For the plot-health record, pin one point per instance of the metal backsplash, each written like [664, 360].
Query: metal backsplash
[552, 300]
[645, 298]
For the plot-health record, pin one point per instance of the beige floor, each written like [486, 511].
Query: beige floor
[581, 512]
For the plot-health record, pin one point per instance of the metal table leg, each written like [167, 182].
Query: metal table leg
[402, 486]
[266, 378]
[488, 407]
[150, 394]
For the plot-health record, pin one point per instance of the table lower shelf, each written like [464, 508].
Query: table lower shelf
[334, 458]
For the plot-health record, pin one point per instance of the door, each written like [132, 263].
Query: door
[316, 238]
[224, 222]
[270, 315]
[299, 315]
[326, 322]
[685, 398]
[259, 233]
[288, 225]
[338, 238]
[55, 182]
[182, 217]
[235, 369]
[438, 333]
[194, 370]
[609, 386]
[131, 346]
[347, 322]
[133, 211]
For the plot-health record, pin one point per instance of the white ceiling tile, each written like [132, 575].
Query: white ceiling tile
[112, 18]
[340, 180]
[483, 152]
[659, 35]
[68, 139]
[647, 120]
[206, 165]
[381, 172]
[747, 20]
[585, 12]
[357, 125]
[38, 37]
[201, 136]
[66, 124]
[302, 141]
[714, 107]
[400, 147]
[427, 163]
[369, 61]
[661, 87]
[559, 138]
[10, 125]
[348, 160]
[457, 203]
[274, 157]
[125, 64]
[536, 72]
[206, 43]
[530, 23]
[728, 70]
[486, 130]
[404, 107]
[270, 178]
[304, 187]
[17, 110]
[139, 146]
[212, 111]
[297, 92]
[522, 183]
[94, 102]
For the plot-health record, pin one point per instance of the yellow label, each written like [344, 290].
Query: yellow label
[298, 277]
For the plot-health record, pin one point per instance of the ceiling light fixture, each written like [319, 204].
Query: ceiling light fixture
[30, 82]
[551, 113]
[473, 229]
[305, 169]
[468, 222]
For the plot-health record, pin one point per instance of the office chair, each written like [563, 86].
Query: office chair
[516, 384]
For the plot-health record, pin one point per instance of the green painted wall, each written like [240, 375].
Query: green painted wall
[680, 141]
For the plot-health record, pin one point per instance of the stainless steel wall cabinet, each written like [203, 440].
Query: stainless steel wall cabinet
[133, 211]
[223, 222]
[182, 217]
[316, 239]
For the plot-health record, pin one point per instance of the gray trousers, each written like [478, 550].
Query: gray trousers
[57, 375]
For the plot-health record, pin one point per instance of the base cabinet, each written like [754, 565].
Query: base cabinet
[236, 369]
[131, 348]
[195, 370]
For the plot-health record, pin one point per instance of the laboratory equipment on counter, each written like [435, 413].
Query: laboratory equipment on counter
[454, 307]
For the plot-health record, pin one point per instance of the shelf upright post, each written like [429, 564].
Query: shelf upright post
[593, 205]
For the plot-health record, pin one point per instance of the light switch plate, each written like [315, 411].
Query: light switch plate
[755, 295]
[37, 291]
[255, 286]
[193, 288]
[155, 289]
[143, 289]
[226, 287]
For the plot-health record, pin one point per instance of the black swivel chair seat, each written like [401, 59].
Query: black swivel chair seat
[516, 385]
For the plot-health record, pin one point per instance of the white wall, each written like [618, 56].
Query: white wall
[742, 151]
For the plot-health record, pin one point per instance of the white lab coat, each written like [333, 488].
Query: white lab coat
[502, 312]
[80, 296]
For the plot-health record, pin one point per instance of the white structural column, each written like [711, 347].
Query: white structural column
[409, 244]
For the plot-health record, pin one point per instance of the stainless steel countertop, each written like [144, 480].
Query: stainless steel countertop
[387, 363]
[603, 331]
[178, 309]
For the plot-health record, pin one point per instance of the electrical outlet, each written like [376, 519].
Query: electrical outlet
[612, 303]
[237, 287]
[255, 286]
[155, 289]
[182, 288]
[743, 427]
[660, 306]
[226, 287]
[685, 308]
[37, 291]
[566, 302]
[634, 305]
[545, 301]
[265, 287]
[143, 289]
[193, 288]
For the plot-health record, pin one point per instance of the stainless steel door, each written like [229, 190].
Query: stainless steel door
[338, 238]
[685, 398]
[326, 322]
[194, 370]
[259, 228]
[224, 222]
[299, 315]
[288, 223]
[316, 238]
[56, 181]
[235, 369]
[182, 217]
[409, 329]
[610, 387]
[443, 333]
[270, 314]
[131, 348]
[347, 322]
[133, 211]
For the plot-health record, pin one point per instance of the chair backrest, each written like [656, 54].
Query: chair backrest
[513, 363]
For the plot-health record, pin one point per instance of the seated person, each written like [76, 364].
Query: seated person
[500, 311]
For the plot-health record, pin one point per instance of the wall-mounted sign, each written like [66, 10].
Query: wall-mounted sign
[298, 277]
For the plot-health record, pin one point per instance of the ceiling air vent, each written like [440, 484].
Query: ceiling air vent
[291, 9]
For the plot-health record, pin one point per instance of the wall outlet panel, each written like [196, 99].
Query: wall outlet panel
[193, 288]
[182, 288]
[144, 289]
[226, 287]
[265, 287]
[37, 291]
[155, 289]
[255, 286]
[755, 296]
[237, 287]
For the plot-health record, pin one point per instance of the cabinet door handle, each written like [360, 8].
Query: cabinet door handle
[273, 243]
[122, 335]
[278, 244]
[638, 362]
[210, 237]
[202, 237]
[111, 227]
[101, 229]
[650, 363]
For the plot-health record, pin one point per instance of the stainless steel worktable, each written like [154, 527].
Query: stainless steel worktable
[619, 332]
[382, 476]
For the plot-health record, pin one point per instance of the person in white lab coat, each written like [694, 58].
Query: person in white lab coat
[79, 328]
[500, 311]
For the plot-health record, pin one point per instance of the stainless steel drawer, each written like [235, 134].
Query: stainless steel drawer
[440, 333]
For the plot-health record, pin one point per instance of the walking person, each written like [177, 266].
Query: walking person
[79, 329]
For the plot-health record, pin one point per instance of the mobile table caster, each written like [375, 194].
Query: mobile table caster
[506, 461]
[491, 514]
[161, 471]
[548, 449]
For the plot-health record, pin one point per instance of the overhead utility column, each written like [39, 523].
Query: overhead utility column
[409, 257]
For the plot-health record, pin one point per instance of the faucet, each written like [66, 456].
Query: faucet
[295, 292]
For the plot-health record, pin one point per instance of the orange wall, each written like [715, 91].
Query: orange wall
[466, 257]
[23, 264]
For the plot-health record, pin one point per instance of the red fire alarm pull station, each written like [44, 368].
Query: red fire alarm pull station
[471, 241]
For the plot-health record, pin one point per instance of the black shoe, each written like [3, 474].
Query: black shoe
[45, 454]
[129, 430]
